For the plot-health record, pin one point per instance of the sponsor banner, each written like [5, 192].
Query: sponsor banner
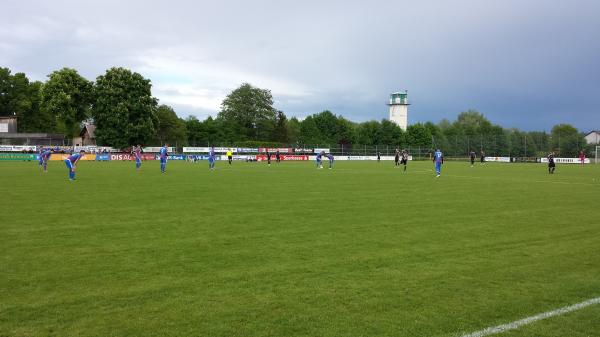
[157, 149]
[63, 156]
[102, 157]
[131, 156]
[121, 156]
[303, 150]
[95, 149]
[321, 150]
[147, 156]
[498, 159]
[566, 160]
[18, 156]
[383, 158]
[287, 157]
[273, 150]
[362, 158]
[174, 157]
[195, 157]
[207, 149]
[247, 150]
[17, 148]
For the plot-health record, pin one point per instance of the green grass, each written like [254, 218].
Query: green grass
[288, 250]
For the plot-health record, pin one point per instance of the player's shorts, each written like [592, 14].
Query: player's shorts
[163, 160]
[551, 165]
[230, 157]
[69, 164]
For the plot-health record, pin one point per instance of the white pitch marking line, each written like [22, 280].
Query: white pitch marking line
[531, 319]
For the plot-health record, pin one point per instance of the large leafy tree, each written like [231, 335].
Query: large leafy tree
[249, 111]
[391, 133]
[281, 130]
[293, 130]
[472, 122]
[68, 96]
[345, 131]
[309, 132]
[21, 98]
[196, 132]
[36, 119]
[419, 135]
[170, 129]
[124, 111]
[6, 93]
[369, 133]
[567, 140]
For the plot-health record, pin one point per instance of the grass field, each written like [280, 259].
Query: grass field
[288, 250]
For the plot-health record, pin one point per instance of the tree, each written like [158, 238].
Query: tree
[419, 135]
[36, 119]
[196, 133]
[327, 124]
[249, 111]
[293, 130]
[472, 122]
[217, 131]
[309, 132]
[566, 140]
[281, 130]
[21, 98]
[369, 133]
[125, 111]
[6, 93]
[68, 96]
[345, 131]
[170, 128]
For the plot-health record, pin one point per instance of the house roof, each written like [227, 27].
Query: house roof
[593, 131]
[90, 130]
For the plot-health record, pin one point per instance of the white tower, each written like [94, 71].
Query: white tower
[399, 109]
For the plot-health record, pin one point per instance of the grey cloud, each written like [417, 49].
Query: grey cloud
[527, 64]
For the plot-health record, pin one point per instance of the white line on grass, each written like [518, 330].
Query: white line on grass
[516, 324]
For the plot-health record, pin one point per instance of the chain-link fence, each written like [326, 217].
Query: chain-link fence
[523, 146]
[516, 145]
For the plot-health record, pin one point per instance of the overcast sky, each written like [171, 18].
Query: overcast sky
[523, 63]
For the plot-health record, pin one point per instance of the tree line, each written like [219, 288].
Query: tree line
[121, 105]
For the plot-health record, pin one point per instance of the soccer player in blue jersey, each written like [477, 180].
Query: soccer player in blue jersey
[40, 162]
[71, 163]
[319, 159]
[212, 158]
[330, 157]
[163, 153]
[44, 157]
[137, 154]
[438, 159]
